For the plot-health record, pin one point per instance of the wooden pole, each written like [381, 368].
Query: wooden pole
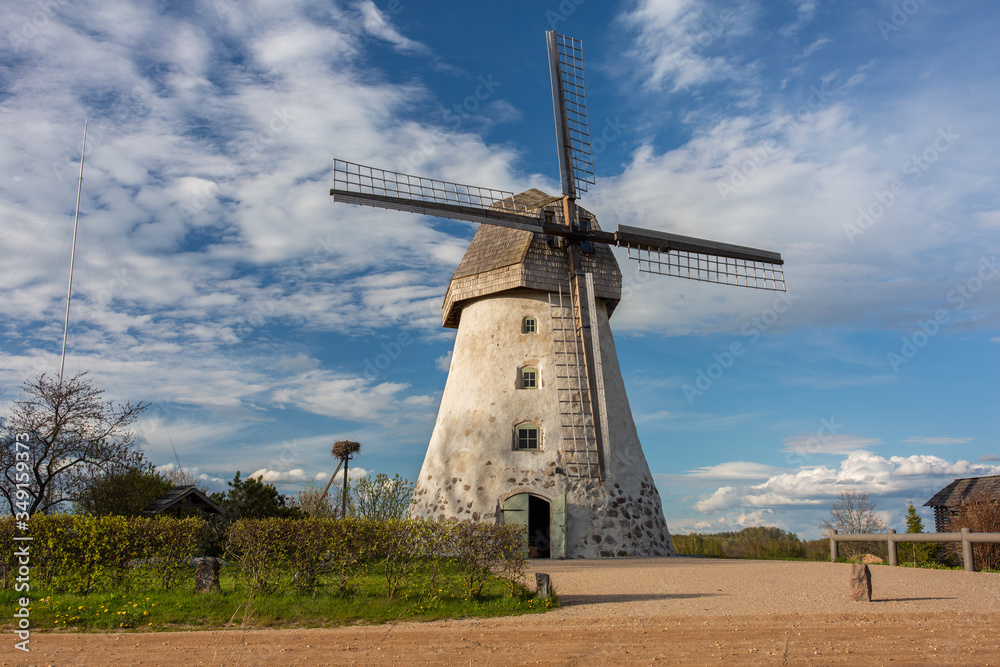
[343, 506]
[967, 553]
[327, 489]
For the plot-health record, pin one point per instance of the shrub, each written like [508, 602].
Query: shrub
[395, 545]
[86, 553]
[482, 550]
[260, 548]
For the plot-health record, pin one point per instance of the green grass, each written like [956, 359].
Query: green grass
[234, 606]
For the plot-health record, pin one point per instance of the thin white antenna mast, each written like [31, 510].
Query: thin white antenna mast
[72, 254]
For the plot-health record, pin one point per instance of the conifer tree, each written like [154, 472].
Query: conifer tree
[918, 553]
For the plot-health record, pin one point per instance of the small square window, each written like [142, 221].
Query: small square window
[527, 437]
[529, 325]
[529, 378]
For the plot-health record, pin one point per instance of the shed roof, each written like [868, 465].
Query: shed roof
[964, 488]
[500, 259]
[183, 496]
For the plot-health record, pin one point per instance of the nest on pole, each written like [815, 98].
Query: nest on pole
[344, 448]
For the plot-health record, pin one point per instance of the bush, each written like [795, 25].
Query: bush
[482, 550]
[260, 547]
[86, 553]
[121, 491]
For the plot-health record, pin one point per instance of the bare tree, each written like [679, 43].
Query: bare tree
[980, 514]
[315, 503]
[855, 513]
[59, 436]
[178, 476]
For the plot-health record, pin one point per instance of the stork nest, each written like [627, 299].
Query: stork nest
[345, 448]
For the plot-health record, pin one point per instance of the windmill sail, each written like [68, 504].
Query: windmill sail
[699, 259]
[569, 101]
[369, 186]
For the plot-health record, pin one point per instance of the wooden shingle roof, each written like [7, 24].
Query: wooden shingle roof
[182, 497]
[956, 493]
[500, 259]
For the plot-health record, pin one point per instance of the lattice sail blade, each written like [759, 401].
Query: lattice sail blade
[699, 259]
[369, 186]
[569, 101]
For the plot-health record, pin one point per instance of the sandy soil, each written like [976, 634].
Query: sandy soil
[642, 611]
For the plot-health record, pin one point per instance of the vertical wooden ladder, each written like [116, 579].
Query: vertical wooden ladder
[577, 420]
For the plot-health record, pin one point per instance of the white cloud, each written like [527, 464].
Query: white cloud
[806, 12]
[921, 440]
[337, 395]
[444, 363]
[734, 470]
[818, 45]
[822, 443]
[674, 38]
[894, 476]
[271, 476]
[376, 23]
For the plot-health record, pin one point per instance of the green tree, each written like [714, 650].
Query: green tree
[253, 499]
[382, 498]
[121, 491]
[917, 553]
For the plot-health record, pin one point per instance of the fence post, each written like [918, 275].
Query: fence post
[833, 546]
[893, 559]
[967, 555]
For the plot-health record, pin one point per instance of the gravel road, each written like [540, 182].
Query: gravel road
[626, 611]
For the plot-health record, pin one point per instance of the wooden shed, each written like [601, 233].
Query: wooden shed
[181, 501]
[947, 501]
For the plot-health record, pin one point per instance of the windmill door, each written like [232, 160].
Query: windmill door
[544, 522]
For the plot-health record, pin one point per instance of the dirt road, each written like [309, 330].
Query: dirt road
[643, 611]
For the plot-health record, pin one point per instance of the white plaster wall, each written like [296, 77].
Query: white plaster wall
[471, 466]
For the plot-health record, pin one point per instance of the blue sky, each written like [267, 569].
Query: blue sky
[218, 281]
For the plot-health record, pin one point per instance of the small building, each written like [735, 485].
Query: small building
[182, 501]
[947, 501]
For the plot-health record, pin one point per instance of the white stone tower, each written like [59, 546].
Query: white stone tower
[515, 439]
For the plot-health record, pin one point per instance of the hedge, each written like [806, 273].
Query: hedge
[308, 549]
[85, 553]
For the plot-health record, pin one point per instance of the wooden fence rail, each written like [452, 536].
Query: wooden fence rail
[966, 537]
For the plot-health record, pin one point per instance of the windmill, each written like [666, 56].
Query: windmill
[534, 425]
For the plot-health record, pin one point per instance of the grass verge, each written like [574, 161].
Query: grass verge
[146, 610]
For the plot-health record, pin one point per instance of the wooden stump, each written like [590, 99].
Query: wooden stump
[542, 585]
[206, 574]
